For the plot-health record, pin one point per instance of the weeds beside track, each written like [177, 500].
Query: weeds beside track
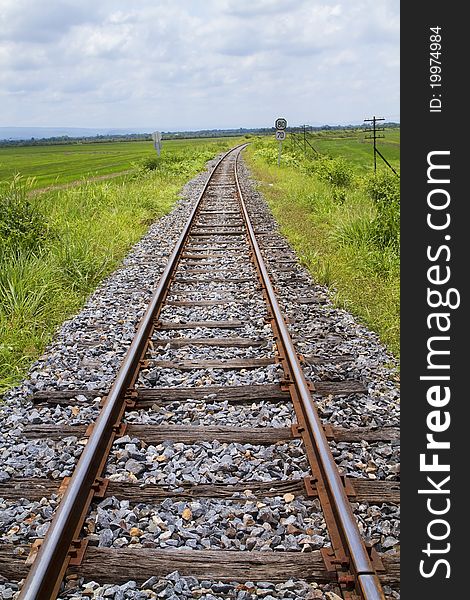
[56, 247]
[343, 225]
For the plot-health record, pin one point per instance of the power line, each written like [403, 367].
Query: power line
[300, 136]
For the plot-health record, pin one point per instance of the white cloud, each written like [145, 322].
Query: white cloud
[190, 64]
[42, 22]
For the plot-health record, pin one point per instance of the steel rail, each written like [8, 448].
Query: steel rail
[368, 584]
[48, 569]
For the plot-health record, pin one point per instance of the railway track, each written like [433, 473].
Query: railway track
[213, 317]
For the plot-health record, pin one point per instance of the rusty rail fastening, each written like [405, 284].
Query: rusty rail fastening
[349, 555]
[62, 545]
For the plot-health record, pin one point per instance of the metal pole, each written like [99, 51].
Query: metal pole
[374, 136]
[279, 157]
[375, 146]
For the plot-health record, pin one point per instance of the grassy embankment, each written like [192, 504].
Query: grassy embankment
[342, 220]
[56, 247]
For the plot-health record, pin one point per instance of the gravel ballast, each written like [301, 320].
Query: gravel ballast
[86, 354]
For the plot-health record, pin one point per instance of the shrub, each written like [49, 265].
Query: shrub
[23, 227]
[384, 189]
[271, 155]
[335, 171]
[339, 172]
[150, 163]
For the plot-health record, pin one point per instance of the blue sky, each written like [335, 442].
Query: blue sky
[182, 64]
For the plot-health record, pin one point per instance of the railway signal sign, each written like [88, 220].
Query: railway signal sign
[280, 125]
[157, 141]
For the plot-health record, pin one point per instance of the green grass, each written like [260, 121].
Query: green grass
[337, 231]
[80, 235]
[60, 164]
[352, 146]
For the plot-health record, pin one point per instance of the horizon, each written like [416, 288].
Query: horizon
[60, 131]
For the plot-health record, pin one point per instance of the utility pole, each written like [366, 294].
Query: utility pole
[305, 139]
[374, 135]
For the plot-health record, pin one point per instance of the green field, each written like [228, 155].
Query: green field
[354, 147]
[60, 164]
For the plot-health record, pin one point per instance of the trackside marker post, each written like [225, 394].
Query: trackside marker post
[157, 141]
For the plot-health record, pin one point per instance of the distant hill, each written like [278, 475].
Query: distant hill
[26, 133]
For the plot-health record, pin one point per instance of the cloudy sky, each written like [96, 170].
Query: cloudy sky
[195, 64]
